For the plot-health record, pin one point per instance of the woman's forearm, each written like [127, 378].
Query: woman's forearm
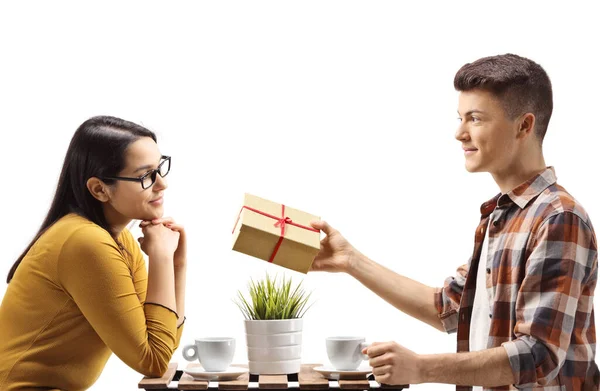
[161, 282]
[180, 277]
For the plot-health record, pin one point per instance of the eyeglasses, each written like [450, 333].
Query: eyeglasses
[148, 179]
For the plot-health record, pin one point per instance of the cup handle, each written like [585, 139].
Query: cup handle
[364, 345]
[194, 356]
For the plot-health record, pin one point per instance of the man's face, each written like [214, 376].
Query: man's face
[487, 135]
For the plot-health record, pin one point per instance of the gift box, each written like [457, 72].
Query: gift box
[276, 233]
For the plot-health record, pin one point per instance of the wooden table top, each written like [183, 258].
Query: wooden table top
[307, 379]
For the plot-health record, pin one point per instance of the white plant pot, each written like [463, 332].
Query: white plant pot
[292, 352]
[274, 346]
[274, 367]
[273, 341]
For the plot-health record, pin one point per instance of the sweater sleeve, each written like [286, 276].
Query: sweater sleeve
[99, 279]
[140, 276]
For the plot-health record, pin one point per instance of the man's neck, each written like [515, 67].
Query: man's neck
[518, 173]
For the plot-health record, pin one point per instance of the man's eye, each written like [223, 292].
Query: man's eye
[475, 119]
[459, 119]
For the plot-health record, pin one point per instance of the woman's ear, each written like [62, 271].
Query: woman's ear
[98, 189]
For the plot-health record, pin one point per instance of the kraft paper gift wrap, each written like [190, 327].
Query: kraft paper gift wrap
[276, 233]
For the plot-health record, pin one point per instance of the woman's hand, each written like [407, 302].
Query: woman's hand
[180, 253]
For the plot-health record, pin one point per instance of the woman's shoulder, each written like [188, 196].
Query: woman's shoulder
[77, 233]
[75, 228]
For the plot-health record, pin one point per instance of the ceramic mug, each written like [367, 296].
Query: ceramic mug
[215, 354]
[345, 353]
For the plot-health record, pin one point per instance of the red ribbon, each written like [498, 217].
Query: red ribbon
[281, 222]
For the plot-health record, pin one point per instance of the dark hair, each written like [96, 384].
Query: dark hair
[97, 149]
[520, 84]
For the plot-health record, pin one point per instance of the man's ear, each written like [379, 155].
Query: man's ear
[98, 189]
[526, 125]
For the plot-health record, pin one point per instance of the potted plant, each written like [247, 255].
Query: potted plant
[273, 325]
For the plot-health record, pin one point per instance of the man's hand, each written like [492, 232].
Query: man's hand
[336, 254]
[394, 364]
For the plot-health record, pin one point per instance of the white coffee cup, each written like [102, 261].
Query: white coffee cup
[215, 354]
[345, 353]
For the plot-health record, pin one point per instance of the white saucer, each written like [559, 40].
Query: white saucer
[230, 373]
[335, 374]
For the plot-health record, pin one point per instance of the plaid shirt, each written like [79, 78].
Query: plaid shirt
[541, 270]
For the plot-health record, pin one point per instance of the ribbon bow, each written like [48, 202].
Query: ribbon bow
[281, 222]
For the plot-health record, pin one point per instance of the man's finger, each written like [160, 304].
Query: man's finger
[380, 361]
[382, 379]
[377, 349]
[323, 226]
[382, 370]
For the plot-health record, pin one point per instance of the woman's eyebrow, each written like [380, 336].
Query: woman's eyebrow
[147, 166]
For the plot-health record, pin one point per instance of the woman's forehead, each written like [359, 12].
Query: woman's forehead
[142, 152]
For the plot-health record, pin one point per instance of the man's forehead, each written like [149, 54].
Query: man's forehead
[476, 101]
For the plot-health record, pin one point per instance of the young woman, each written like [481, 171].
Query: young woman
[80, 291]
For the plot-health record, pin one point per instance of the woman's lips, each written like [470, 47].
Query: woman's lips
[157, 201]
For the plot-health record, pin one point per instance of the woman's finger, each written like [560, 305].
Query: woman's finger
[164, 221]
[176, 227]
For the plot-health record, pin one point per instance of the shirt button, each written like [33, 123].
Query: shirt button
[488, 270]
[496, 222]
[490, 316]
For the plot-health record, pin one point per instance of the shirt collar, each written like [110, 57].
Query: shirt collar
[522, 194]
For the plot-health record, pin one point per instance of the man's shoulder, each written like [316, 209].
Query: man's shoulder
[556, 200]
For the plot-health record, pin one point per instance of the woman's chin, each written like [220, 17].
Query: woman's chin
[156, 213]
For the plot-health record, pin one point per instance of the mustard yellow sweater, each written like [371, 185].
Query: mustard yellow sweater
[75, 299]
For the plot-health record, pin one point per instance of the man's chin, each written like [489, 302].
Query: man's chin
[472, 168]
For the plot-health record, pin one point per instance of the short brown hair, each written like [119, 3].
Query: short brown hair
[521, 85]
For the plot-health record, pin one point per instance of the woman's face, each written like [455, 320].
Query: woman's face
[129, 199]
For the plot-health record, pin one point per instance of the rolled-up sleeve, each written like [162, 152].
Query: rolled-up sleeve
[562, 262]
[447, 299]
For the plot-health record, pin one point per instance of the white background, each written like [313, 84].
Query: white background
[344, 109]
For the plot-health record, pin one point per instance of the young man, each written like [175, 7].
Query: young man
[522, 306]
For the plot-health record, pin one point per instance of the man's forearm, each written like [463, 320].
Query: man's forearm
[409, 296]
[180, 279]
[488, 368]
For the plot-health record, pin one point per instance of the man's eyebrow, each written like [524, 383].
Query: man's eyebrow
[471, 112]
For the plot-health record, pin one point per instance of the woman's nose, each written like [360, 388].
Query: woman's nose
[160, 184]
